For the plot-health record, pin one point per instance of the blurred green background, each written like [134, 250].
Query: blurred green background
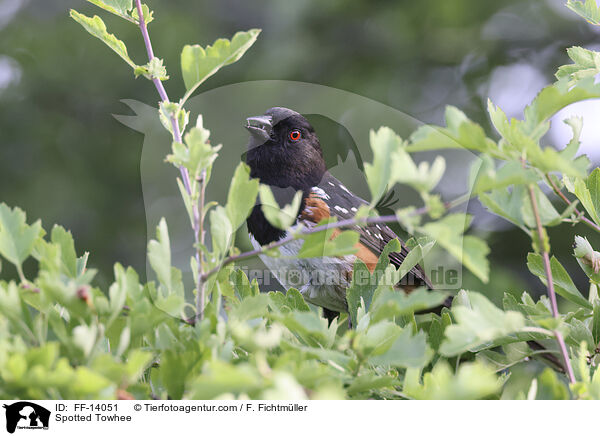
[65, 159]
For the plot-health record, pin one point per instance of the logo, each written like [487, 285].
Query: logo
[26, 415]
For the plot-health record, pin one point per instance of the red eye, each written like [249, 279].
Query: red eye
[295, 135]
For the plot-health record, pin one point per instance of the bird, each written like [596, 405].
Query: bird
[285, 153]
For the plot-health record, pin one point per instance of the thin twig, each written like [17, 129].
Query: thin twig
[307, 231]
[185, 176]
[550, 283]
[580, 214]
[201, 285]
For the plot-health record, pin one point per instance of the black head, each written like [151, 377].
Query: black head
[284, 149]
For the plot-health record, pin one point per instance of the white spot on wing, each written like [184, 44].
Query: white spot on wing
[340, 209]
[353, 209]
[322, 194]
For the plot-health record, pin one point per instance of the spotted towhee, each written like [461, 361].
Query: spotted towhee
[284, 152]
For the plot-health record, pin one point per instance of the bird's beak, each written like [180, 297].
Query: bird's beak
[260, 127]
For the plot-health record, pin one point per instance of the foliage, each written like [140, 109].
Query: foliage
[62, 337]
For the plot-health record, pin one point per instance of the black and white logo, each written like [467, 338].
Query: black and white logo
[26, 415]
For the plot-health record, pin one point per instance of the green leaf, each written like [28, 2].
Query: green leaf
[159, 254]
[585, 197]
[563, 285]
[549, 387]
[596, 322]
[359, 292]
[363, 284]
[251, 307]
[120, 8]
[391, 303]
[507, 204]
[486, 178]
[384, 143]
[17, 239]
[586, 64]
[473, 380]
[576, 124]
[220, 230]
[415, 255]
[97, 28]
[552, 99]
[369, 382]
[242, 285]
[168, 111]
[468, 249]
[405, 351]
[147, 14]
[197, 154]
[221, 378]
[280, 218]
[593, 185]
[242, 195]
[152, 70]
[459, 133]
[198, 63]
[422, 178]
[329, 242]
[588, 10]
[64, 239]
[549, 216]
[292, 300]
[478, 324]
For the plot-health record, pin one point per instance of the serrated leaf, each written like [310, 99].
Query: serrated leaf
[507, 204]
[17, 239]
[384, 143]
[152, 70]
[478, 324]
[405, 351]
[588, 10]
[96, 27]
[423, 177]
[120, 8]
[576, 124]
[329, 242]
[242, 195]
[586, 64]
[198, 63]
[391, 303]
[197, 154]
[563, 285]
[549, 216]
[469, 250]
[460, 132]
[487, 178]
[284, 217]
[159, 254]
[147, 14]
[64, 239]
[473, 380]
[220, 230]
[292, 300]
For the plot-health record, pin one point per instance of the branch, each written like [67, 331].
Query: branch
[197, 221]
[550, 283]
[580, 214]
[308, 231]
